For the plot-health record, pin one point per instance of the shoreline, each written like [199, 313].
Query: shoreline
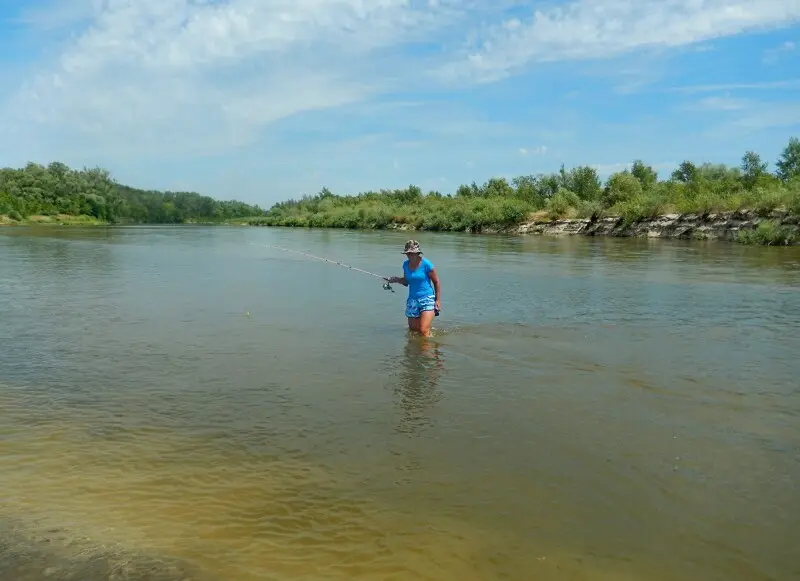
[744, 226]
[70, 220]
[723, 226]
[58, 220]
[776, 228]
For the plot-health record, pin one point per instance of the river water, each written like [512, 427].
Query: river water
[188, 402]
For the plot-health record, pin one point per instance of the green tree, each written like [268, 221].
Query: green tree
[527, 189]
[752, 169]
[686, 172]
[621, 187]
[646, 175]
[788, 164]
[36, 189]
[499, 187]
[583, 181]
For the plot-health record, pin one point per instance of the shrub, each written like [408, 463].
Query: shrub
[621, 187]
[768, 233]
[560, 204]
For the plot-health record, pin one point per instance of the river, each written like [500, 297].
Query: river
[192, 402]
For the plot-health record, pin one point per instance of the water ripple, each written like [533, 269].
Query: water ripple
[180, 400]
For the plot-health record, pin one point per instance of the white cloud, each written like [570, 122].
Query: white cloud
[606, 169]
[765, 86]
[772, 56]
[592, 29]
[163, 75]
[723, 104]
[761, 115]
[160, 79]
[732, 118]
[539, 150]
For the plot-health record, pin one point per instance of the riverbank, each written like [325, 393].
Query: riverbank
[83, 220]
[707, 201]
[778, 228]
[57, 220]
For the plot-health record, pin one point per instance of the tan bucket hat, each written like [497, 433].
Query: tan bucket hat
[412, 246]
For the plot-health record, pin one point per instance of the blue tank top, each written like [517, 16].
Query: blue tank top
[419, 285]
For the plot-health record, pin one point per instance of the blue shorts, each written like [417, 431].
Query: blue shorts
[415, 307]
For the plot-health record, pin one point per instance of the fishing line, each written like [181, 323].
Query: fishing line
[386, 284]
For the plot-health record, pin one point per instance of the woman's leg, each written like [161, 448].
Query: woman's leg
[412, 314]
[426, 313]
[425, 321]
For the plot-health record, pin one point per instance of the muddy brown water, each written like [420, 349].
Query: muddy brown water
[186, 402]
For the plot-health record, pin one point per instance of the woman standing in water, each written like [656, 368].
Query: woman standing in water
[424, 294]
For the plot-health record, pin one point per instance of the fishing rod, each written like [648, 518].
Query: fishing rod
[386, 284]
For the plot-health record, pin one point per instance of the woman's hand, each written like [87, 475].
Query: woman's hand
[437, 305]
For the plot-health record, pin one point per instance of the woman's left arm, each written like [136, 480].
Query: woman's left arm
[437, 288]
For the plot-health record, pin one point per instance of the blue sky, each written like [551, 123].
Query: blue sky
[264, 100]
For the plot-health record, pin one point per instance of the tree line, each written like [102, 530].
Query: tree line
[57, 189]
[635, 193]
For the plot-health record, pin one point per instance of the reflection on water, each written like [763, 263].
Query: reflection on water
[587, 409]
[416, 386]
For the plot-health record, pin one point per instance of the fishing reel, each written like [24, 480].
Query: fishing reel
[387, 286]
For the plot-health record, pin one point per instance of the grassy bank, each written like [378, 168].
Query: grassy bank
[57, 220]
[633, 195]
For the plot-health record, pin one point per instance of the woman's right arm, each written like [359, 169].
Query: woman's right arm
[398, 279]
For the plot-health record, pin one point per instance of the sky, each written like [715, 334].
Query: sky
[267, 100]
